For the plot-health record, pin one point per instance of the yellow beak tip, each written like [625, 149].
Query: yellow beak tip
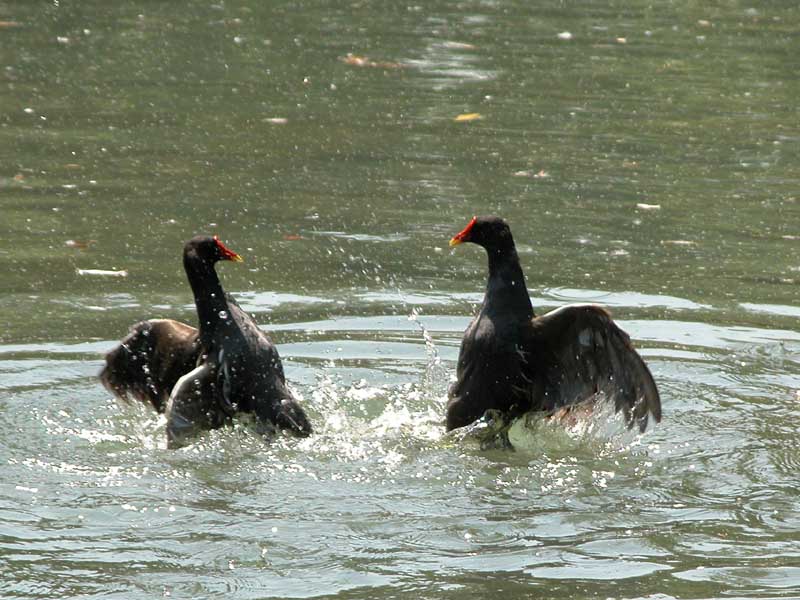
[454, 242]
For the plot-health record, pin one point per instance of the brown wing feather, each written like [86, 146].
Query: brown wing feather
[149, 361]
[577, 352]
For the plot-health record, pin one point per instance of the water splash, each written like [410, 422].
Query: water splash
[600, 427]
[435, 376]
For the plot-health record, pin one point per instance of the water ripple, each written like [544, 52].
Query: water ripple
[380, 495]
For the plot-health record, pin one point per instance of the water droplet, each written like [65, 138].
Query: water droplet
[223, 314]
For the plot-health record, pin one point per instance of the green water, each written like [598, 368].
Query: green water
[646, 156]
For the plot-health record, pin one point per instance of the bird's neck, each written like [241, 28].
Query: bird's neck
[506, 292]
[209, 298]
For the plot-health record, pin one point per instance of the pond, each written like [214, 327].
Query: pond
[646, 156]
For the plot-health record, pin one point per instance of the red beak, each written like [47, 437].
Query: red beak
[464, 235]
[227, 253]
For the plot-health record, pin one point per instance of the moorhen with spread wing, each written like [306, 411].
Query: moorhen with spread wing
[226, 366]
[515, 362]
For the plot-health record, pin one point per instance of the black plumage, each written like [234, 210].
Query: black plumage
[512, 361]
[202, 377]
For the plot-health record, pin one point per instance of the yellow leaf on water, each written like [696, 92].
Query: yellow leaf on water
[468, 117]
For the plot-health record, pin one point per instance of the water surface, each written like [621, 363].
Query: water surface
[646, 157]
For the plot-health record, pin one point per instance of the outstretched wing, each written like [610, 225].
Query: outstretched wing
[149, 361]
[577, 352]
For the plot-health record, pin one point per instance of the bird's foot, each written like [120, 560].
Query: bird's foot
[490, 431]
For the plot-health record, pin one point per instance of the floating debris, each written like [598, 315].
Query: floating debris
[81, 244]
[458, 45]
[621, 40]
[9, 24]
[468, 117]
[355, 61]
[565, 35]
[277, 120]
[291, 237]
[101, 273]
[643, 206]
[678, 243]
[363, 61]
[541, 174]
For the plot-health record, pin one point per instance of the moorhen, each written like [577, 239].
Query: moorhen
[240, 370]
[515, 362]
[226, 366]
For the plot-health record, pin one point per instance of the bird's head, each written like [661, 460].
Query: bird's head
[210, 249]
[493, 233]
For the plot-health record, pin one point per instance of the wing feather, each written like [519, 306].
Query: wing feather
[148, 362]
[577, 352]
